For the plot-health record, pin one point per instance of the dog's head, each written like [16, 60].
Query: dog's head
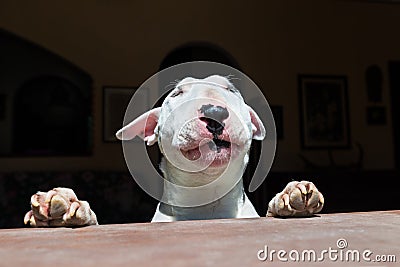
[202, 124]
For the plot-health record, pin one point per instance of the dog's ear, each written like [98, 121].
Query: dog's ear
[257, 125]
[144, 126]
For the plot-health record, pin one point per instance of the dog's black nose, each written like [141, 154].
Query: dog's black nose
[214, 112]
[214, 117]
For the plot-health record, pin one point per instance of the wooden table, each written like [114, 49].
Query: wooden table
[234, 242]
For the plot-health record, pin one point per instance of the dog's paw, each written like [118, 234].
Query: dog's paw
[59, 207]
[298, 199]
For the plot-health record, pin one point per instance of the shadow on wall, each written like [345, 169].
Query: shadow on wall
[203, 51]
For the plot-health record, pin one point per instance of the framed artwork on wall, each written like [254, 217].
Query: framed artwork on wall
[324, 112]
[115, 102]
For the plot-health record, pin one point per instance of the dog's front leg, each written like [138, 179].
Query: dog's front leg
[298, 199]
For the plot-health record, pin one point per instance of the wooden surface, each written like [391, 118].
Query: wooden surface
[234, 242]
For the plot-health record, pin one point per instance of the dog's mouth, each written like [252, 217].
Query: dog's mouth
[217, 152]
[218, 144]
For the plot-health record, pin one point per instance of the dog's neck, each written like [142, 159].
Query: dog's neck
[220, 181]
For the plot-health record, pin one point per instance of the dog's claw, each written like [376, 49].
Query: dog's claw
[73, 208]
[298, 199]
[27, 217]
[59, 207]
[50, 195]
[31, 220]
[302, 189]
[285, 199]
[34, 201]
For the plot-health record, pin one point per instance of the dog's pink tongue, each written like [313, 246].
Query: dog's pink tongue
[193, 154]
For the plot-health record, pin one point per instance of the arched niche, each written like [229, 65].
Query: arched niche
[45, 100]
[198, 51]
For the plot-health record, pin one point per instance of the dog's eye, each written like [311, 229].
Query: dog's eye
[176, 93]
[232, 89]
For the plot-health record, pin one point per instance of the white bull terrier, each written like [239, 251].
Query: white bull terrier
[204, 130]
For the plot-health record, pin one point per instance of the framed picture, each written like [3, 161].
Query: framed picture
[115, 102]
[324, 116]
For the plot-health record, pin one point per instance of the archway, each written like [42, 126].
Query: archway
[198, 51]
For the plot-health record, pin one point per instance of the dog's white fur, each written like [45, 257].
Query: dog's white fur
[183, 128]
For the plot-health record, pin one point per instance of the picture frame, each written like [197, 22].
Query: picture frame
[115, 102]
[324, 112]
